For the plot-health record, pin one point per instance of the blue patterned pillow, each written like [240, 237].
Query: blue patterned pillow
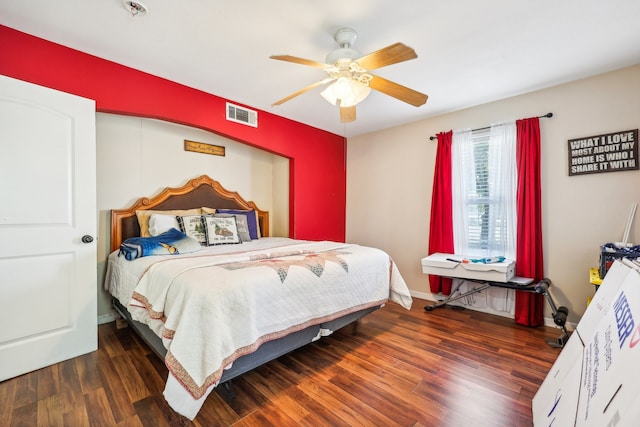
[172, 242]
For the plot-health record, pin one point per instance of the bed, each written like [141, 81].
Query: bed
[233, 300]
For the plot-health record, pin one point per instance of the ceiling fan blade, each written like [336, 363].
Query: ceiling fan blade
[302, 61]
[303, 90]
[393, 54]
[397, 91]
[347, 114]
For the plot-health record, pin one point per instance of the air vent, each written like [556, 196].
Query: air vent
[238, 114]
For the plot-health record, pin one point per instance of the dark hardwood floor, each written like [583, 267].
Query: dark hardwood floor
[407, 368]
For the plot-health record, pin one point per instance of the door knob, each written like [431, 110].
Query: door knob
[87, 239]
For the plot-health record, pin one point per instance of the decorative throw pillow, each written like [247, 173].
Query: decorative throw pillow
[171, 242]
[158, 223]
[193, 226]
[241, 224]
[221, 230]
[252, 220]
[144, 215]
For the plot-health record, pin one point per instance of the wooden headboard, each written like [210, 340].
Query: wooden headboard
[198, 192]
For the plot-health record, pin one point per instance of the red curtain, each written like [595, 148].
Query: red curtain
[441, 226]
[529, 306]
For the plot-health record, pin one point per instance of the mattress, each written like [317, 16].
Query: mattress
[216, 305]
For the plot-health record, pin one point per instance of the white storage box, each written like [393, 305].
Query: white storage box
[440, 264]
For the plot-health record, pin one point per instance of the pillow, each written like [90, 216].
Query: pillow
[221, 230]
[158, 223]
[193, 226]
[206, 210]
[171, 242]
[241, 225]
[144, 215]
[252, 220]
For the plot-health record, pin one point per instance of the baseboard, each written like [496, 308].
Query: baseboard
[548, 321]
[108, 318]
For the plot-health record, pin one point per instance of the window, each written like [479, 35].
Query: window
[484, 190]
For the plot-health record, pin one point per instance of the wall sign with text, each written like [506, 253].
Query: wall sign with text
[611, 152]
[201, 147]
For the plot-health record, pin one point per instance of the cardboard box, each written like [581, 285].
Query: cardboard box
[610, 376]
[602, 299]
[598, 383]
[440, 264]
[556, 401]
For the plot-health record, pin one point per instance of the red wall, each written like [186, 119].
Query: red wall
[317, 158]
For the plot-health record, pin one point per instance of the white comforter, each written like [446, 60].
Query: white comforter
[211, 307]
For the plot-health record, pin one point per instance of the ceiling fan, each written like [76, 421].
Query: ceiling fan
[350, 73]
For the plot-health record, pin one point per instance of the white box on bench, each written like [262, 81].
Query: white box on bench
[440, 264]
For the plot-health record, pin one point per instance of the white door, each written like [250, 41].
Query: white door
[48, 290]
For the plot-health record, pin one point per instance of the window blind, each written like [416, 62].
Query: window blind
[485, 203]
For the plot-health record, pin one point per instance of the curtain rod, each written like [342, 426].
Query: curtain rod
[548, 115]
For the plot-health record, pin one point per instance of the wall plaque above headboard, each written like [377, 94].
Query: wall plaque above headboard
[201, 147]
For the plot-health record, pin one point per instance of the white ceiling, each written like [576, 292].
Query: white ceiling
[469, 51]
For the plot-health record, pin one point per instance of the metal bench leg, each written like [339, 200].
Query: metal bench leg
[559, 313]
[453, 297]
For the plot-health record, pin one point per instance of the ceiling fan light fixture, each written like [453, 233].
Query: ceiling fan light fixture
[345, 38]
[345, 92]
[343, 53]
[349, 79]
